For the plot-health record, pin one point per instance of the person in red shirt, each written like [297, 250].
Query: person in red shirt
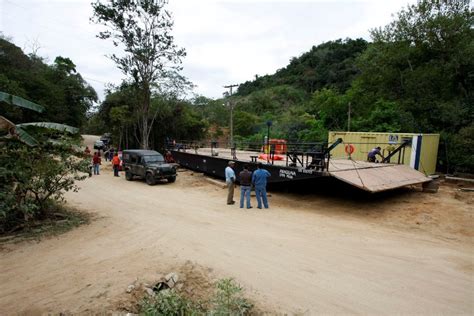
[169, 157]
[96, 162]
[116, 164]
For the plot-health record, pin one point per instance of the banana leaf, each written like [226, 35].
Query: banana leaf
[55, 126]
[25, 137]
[14, 100]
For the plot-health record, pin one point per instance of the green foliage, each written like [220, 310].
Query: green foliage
[170, 117]
[460, 150]
[33, 177]
[331, 108]
[228, 300]
[150, 59]
[245, 123]
[423, 62]
[168, 302]
[385, 117]
[328, 65]
[62, 91]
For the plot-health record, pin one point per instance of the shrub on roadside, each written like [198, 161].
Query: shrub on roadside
[31, 178]
[227, 300]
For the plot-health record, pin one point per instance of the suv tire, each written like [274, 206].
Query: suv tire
[172, 179]
[150, 179]
[128, 175]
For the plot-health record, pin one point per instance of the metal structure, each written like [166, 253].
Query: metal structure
[299, 162]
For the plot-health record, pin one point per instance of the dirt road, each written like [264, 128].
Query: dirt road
[409, 254]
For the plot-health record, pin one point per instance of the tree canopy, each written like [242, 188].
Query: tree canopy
[150, 57]
[63, 92]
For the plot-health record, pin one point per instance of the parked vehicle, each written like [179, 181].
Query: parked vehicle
[99, 145]
[147, 164]
[106, 139]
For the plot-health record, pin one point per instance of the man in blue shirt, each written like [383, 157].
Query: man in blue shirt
[230, 182]
[259, 180]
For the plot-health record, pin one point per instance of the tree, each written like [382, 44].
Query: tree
[39, 162]
[66, 96]
[143, 28]
[423, 62]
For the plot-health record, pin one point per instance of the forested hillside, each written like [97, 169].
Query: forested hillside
[57, 86]
[416, 75]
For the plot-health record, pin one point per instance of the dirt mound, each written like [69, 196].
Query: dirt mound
[193, 282]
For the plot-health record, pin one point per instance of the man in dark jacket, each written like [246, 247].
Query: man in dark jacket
[245, 177]
[372, 155]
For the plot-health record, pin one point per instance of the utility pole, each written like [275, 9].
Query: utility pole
[229, 103]
[349, 118]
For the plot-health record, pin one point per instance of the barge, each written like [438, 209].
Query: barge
[298, 163]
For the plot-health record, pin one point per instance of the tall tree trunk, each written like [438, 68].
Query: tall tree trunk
[144, 132]
[145, 116]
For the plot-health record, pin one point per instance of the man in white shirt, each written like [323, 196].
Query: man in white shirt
[230, 182]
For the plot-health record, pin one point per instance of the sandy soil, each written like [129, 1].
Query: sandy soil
[408, 252]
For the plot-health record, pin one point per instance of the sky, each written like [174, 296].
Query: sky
[227, 41]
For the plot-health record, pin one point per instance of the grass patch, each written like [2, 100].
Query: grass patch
[57, 220]
[228, 299]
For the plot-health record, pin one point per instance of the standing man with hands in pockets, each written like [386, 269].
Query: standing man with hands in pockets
[259, 180]
[245, 177]
[230, 182]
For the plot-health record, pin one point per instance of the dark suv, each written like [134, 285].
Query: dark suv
[147, 164]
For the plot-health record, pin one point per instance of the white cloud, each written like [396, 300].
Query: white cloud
[226, 41]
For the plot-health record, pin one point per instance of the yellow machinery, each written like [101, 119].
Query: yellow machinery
[420, 152]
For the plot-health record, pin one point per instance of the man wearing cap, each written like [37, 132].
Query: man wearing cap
[230, 182]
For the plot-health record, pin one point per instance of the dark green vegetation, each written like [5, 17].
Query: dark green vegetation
[38, 163]
[228, 299]
[417, 75]
[171, 117]
[58, 87]
[34, 179]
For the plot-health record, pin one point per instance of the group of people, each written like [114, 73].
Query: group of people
[247, 179]
[97, 161]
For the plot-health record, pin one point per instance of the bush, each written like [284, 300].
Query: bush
[168, 302]
[227, 300]
[33, 177]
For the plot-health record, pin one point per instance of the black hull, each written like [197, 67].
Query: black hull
[215, 166]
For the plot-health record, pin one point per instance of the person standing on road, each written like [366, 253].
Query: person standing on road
[259, 180]
[116, 164]
[245, 177]
[111, 154]
[230, 182]
[96, 162]
[106, 154]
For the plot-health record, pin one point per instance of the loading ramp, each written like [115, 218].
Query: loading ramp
[375, 177]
